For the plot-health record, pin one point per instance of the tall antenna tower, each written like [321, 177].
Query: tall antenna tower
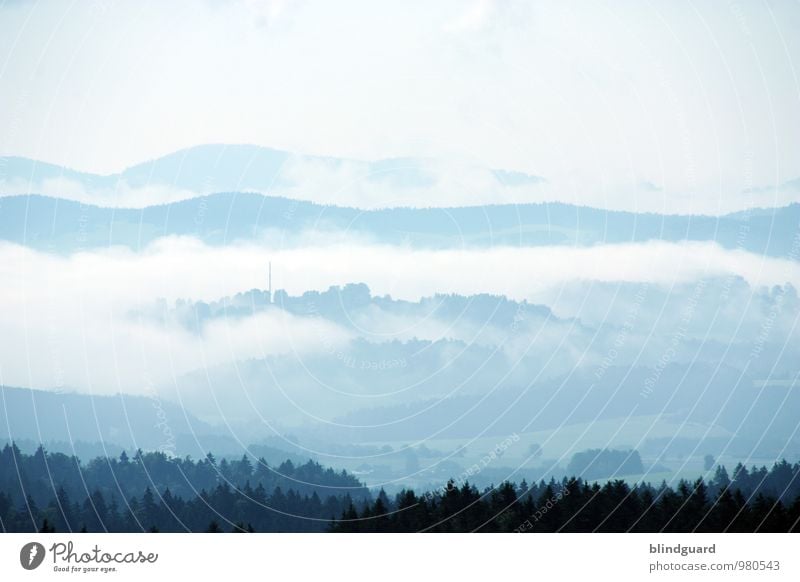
[269, 299]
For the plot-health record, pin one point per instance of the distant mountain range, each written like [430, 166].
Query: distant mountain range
[223, 193]
[65, 226]
[445, 367]
[229, 168]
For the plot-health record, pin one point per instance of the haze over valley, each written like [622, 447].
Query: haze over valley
[400, 343]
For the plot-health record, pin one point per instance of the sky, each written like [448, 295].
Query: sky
[690, 106]
[668, 107]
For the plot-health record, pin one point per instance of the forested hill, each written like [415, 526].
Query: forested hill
[146, 490]
[150, 492]
[748, 500]
[65, 226]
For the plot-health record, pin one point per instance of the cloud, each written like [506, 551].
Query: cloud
[184, 267]
[473, 17]
[71, 320]
[403, 183]
[358, 184]
[93, 344]
[408, 182]
[122, 195]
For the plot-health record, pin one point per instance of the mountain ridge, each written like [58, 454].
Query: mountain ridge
[214, 168]
[60, 225]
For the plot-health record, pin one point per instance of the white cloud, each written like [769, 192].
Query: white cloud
[472, 18]
[122, 195]
[184, 267]
[67, 320]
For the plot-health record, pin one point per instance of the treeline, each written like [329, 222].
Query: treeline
[40, 474]
[222, 509]
[757, 500]
[151, 491]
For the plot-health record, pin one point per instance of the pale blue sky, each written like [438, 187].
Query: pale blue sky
[689, 102]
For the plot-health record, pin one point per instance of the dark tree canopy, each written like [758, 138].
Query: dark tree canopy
[150, 492]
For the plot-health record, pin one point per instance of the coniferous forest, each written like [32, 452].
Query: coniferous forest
[151, 492]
